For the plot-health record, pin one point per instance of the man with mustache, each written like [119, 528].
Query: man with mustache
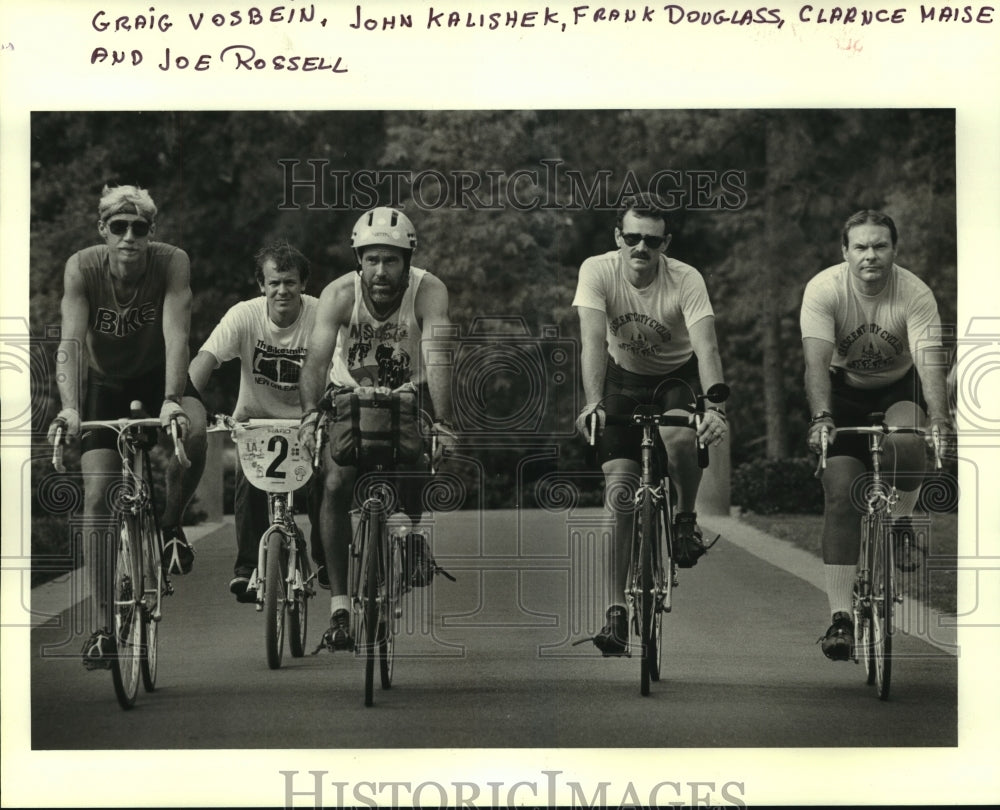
[645, 318]
[861, 322]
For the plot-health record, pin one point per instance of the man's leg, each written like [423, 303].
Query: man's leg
[335, 526]
[685, 475]
[904, 461]
[251, 519]
[101, 470]
[841, 542]
[621, 477]
[181, 483]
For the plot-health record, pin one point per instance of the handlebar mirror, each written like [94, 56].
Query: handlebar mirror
[717, 393]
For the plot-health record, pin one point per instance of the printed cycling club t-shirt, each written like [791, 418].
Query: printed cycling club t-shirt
[374, 352]
[647, 329]
[125, 338]
[271, 356]
[874, 337]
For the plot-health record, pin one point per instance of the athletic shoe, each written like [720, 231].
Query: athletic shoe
[238, 586]
[323, 577]
[99, 650]
[612, 639]
[338, 635]
[839, 638]
[688, 544]
[178, 556]
[418, 564]
[906, 551]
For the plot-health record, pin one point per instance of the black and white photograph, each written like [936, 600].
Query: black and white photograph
[391, 449]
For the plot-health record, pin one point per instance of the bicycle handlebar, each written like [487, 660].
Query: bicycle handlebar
[934, 434]
[642, 417]
[122, 425]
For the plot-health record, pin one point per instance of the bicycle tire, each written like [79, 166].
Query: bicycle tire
[152, 589]
[126, 618]
[663, 577]
[861, 604]
[645, 599]
[392, 573]
[275, 566]
[882, 608]
[298, 607]
[369, 600]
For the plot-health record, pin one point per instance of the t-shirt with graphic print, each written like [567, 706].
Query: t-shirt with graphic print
[647, 330]
[374, 352]
[874, 337]
[271, 357]
[125, 338]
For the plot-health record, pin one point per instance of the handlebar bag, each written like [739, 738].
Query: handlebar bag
[372, 427]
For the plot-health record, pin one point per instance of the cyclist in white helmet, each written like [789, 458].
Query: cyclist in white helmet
[376, 325]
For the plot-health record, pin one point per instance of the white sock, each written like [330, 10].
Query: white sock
[907, 502]
[339, 603]
[839, 586]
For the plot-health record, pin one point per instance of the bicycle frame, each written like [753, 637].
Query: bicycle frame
[131, 613]
[272, 461]
[875, 594]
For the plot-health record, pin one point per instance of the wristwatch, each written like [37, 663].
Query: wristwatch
[820, 415]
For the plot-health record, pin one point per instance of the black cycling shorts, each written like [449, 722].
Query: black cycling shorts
[851, 407]
[624, 390]
[108, 398]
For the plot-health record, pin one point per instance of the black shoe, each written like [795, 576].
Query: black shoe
[99, 650]
[238, 586]
[612, 639]
[419, 565]
[178, 556]
[338, 635]
[688, 543]
[906, 551]
[839, 638]
[323, 578]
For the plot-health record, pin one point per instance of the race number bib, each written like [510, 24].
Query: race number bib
[271, 457]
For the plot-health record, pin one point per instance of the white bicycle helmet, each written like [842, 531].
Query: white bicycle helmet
[384, 226]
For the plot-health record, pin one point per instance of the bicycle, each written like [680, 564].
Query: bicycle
[652, 570]
[875, 596]
[135, 584]
[375, 577]
[272, 460]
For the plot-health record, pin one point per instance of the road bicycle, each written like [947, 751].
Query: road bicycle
[377, 558]
[135, 583]
[652, 569]
[273, 461]
[875, 596]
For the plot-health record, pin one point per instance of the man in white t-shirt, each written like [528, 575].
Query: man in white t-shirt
[269, 335]
[645, 318]
[861, 323]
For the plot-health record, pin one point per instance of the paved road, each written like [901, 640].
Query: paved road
[487, 662]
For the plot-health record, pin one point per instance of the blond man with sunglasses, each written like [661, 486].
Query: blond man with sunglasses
[647, 333]
[126, 314]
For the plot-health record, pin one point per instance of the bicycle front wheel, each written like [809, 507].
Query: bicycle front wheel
[370, 599]
[883, 602]
[649, 626]
[392, 577]
[125, 598]
[298, 607]
[276, 567]
[152, 589]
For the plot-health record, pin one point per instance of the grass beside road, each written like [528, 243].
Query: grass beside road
[936, 586]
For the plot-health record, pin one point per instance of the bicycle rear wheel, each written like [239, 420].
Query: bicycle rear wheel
[126, 623]
[276, 566]
[645, 599]
[298, 607]
[152, 589]
[882, 606]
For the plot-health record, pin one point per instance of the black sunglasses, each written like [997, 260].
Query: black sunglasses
[119, 226]
[633, 239]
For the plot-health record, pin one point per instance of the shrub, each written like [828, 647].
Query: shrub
[769, 486]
